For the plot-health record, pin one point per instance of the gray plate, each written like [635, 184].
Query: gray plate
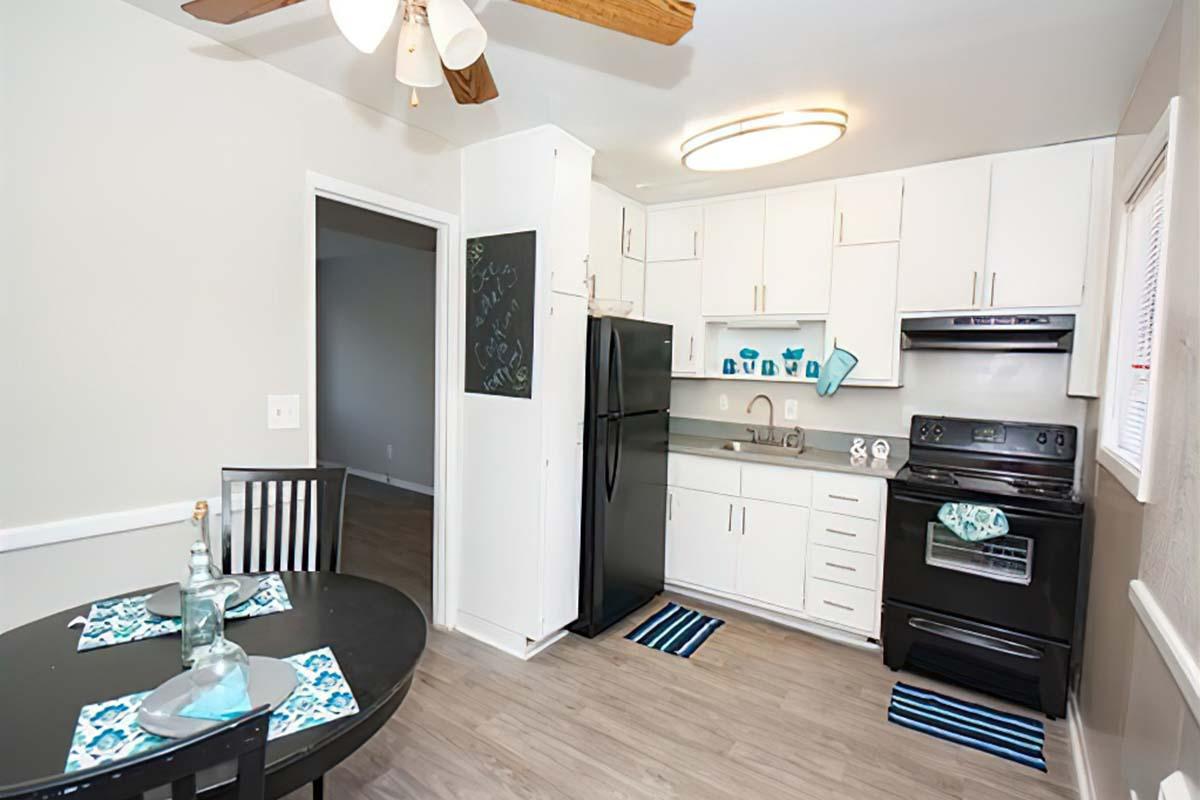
[271, 682]
[165, 602]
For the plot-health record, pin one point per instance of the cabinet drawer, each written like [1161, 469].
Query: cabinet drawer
[845, 533]
[777, 484]
[844, 605]
[704, 474]
[842, 566]
[847, 494]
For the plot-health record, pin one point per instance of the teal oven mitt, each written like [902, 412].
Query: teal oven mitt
[973, 523]
[836, 368]
[224, 699]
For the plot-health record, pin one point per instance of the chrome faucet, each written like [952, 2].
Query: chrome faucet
[754, 432]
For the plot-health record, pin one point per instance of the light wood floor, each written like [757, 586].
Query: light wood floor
[758, 712]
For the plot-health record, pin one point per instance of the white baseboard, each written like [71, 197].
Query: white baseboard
[1079, 753]
[503, 639]
[838, 635]
[380, 477]
[1171, 646]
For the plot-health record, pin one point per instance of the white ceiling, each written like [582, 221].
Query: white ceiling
[922, 80]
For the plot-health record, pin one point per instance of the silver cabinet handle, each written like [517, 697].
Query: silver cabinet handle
[592, 290]
[842, 533]
[974, 281]
[764, 297]
[743, 520]
[841, 225]
[756, 297]
[628, 240]
[691, 348]
[670, 506]
[840, 566]
[980, 640]
[837, 605]
[992, 301]
[730, 526]
[695, 243]
[843, 497]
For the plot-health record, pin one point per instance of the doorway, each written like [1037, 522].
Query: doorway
[382, 396]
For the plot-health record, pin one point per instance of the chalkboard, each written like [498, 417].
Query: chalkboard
[500, 283]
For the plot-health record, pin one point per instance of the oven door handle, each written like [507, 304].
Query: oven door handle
[982, 640]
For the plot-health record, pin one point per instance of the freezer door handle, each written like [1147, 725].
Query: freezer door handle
[611, 475]
[616, 368]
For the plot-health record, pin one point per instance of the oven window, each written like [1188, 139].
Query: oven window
[1008, 558]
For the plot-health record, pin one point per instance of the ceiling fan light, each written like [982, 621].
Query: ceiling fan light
[459, 37]
[417, 62]
[364, 23]
[766, 139]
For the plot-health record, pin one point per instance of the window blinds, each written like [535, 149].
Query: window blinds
[1140, 315]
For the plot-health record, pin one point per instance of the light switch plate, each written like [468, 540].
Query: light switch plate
[283, 411]
[790, 409]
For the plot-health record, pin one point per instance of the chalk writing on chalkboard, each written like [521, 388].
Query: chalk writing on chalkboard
[499, 319]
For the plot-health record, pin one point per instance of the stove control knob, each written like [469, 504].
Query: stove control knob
[1061, 439]
[937, 431]
[1041, 438]
[924, 431]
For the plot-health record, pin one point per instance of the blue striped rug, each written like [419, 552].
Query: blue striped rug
[676, 630]
[1019, 739]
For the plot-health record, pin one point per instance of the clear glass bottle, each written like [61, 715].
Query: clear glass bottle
[198, 598]
[200, 520]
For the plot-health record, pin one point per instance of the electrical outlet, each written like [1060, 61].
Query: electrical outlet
[283, 411]
[724, 402]
[389, 449]
[791, 409]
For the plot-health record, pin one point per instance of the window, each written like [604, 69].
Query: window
[1127, 427]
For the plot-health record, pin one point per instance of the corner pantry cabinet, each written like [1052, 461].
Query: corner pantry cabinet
[804, 544]
[518, 567]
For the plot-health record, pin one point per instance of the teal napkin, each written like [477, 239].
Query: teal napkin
[225, 699]
[973, 523]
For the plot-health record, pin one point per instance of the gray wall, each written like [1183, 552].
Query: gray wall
[1136, 727]
[375, 349]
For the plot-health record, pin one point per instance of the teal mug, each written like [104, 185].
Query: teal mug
[768, 367]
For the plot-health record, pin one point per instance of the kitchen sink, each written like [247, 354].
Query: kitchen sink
[762, 449]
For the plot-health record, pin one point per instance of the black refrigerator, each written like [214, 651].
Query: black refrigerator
[624, 469]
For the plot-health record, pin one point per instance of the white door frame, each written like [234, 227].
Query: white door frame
[448, 370]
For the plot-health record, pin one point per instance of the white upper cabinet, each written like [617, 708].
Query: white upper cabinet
[943, 237]
[673, 234]
[797, 251]
[633, 278]
[1037, 242]
[606, 241]
[868, 210]
[862, 311]
[633, 242]
[673, 298]
[733, 257]
[570, 212]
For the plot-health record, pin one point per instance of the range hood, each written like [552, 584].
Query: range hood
[1022, 333]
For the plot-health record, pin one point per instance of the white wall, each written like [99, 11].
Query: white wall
[375, 358]
[1022, 387]
[152, 291]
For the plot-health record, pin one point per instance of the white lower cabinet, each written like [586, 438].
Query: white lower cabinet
[770, 557]
[803, 543]
[702, 542]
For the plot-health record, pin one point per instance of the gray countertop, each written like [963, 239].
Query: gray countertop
[827, 460]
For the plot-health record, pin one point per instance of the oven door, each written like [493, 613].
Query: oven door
[1025, 581]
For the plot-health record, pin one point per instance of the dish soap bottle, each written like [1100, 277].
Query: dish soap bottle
[200, 614]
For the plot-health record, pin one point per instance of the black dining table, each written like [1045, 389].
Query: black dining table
[376, 632]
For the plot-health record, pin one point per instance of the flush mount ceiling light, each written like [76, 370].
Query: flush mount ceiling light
[765, 139]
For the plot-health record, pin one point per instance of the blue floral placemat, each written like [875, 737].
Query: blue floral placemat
[125, 619]
[109, 731]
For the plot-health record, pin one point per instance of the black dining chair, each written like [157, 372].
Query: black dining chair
[313, 497]
[243, 740]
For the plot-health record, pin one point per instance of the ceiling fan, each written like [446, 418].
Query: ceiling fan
[442, 39]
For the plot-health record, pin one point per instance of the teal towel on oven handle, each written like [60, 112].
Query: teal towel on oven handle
[973, 523]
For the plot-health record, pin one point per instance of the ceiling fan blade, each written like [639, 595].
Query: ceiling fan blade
[227, 12]
[473, 85]
[662, 21]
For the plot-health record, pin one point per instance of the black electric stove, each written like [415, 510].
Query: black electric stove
[1004, 615]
